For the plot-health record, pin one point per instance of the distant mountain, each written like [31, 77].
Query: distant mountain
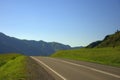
[112, 40]
[77, 47]
[58, 46]
[29, 47]
[94, 44]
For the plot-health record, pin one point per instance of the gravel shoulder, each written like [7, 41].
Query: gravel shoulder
[36, 72]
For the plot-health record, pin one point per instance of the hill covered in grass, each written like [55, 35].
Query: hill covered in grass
[112, 40]
[107, 56]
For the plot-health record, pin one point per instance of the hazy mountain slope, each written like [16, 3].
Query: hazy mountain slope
[28, 47]
[56, 46]
[42, 46]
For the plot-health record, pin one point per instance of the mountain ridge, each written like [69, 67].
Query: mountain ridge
[29, 47]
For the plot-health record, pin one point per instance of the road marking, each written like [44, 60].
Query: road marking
[49, 68]
[90, 68]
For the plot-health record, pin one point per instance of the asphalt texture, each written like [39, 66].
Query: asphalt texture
[64, 69]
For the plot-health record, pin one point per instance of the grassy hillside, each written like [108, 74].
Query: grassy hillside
[108, 56]
[112, 40]
[12, 67]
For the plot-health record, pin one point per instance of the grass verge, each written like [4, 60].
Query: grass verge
[20, 67]
[12, 67]
[107, 56]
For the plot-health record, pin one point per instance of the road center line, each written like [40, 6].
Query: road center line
[49, 68]
[90, 68]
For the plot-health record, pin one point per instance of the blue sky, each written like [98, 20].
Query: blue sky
[73, 22]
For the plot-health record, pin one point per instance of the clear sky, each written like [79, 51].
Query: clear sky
[73, 22]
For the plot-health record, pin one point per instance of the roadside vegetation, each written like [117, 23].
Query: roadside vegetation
[12, 67]
[105, 52]
[107, 56]
[19, 67]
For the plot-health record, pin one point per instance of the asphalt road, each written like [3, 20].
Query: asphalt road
[63, 69]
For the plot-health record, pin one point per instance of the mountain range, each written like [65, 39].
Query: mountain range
[34, 48]
[29, 47]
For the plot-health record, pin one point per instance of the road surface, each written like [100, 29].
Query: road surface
[63, 69]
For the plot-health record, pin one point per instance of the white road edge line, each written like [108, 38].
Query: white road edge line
[49, 68]
[90, 68]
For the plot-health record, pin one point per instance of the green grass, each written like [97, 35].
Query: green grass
[107, 56]
[12, 67]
